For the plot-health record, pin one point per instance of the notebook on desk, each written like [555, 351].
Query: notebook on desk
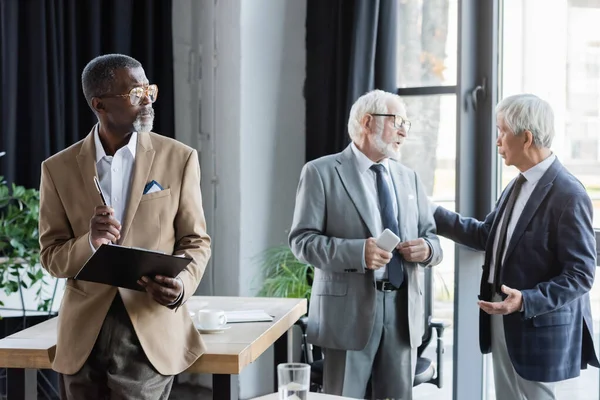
[248, 316]
[122, 266]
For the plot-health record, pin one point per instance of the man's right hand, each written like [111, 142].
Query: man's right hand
[104, 228]
[375, 257]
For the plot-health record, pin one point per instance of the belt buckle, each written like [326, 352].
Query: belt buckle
[385, 286]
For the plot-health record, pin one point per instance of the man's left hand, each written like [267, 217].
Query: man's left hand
[164, 290]
[414, 250]
[511, 304]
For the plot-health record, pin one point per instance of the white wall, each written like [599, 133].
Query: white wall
[242, 65]
[272, 124]
[272, 137]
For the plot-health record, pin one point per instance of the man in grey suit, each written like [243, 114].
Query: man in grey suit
[366, 307]
[540, 260]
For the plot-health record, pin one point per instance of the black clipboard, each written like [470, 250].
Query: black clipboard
[122, 266]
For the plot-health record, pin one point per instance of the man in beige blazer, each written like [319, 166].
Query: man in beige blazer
[112, 342]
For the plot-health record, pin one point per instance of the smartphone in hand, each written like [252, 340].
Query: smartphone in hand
[387, 240]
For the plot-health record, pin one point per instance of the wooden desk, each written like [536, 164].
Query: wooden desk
[227, 354]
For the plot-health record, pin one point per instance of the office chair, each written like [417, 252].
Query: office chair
[426, 370]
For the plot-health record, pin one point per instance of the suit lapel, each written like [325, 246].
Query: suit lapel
[542, 188]
[141, 170]
[86, 160]
[401, 189]
[351, 180]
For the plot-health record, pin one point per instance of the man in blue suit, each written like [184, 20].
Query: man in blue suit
[540, 259]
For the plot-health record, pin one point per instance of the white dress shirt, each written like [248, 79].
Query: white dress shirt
[114, 174]
[532, 176]
[368, 180]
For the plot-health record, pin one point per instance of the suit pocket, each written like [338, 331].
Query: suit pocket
[156, 195]
[154, 214]
[321, 288]
[555, 318]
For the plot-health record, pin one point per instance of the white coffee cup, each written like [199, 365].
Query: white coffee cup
[210, 319]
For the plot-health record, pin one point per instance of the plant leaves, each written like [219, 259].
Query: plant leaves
[284, 275]
[19, 240]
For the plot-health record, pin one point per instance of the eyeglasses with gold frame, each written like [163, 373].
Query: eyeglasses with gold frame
[137, 94]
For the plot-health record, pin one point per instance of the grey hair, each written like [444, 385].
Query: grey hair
[527, 112]
[98, 75]
[375, 101]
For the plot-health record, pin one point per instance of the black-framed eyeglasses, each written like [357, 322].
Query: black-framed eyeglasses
[399, 121]
[137, 94]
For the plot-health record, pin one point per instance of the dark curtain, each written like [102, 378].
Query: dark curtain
[44, 46]
[350, 49]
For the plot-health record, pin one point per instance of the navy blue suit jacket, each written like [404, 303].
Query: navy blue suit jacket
[551, 259]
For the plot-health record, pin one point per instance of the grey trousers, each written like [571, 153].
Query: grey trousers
[117, 368]
[509, 385]
[388, 360]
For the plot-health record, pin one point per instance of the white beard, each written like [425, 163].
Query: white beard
[387, 149]
[143, 126]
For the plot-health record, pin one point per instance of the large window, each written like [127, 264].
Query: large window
[439, 177]
[427, 76]
[552, 51]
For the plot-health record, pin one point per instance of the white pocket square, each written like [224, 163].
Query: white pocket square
[153, 189]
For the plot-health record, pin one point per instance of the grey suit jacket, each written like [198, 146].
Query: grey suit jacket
[331, 223]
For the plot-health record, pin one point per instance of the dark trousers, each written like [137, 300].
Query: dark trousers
[117, 368]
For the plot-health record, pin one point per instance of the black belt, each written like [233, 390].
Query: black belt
[385, 286]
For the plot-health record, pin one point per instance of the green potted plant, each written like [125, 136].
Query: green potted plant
[20, 268]
[284, 275]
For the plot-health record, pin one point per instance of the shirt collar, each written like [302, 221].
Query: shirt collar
[535, 173]
[364, 163]
[100, 153]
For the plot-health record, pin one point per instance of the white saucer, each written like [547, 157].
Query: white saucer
[215, 330]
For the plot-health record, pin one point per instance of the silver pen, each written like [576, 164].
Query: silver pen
[97, 183]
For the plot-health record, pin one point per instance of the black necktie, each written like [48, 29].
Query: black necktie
[388, 217]
[510, 205]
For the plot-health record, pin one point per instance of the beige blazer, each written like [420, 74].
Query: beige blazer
[171, 221]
